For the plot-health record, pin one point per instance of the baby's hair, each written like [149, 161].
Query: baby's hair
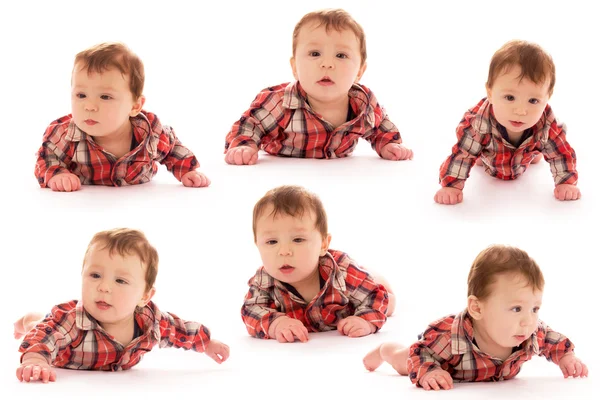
[293, 201]
[104, 56]
[336, 19]
[128, 242]
[499, 259]
[535, 63]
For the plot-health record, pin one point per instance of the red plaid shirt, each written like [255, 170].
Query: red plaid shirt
[348, 290]
[479, 136]
[66, 148]
[281, 122]
[69, 338]
[448, 344]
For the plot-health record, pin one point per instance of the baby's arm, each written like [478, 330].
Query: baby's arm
[455, 169]
[178, 159]
[560, 350]
[43, 342]
[370, 302]
[385, 137]
[264, 321]
[426, 357]
[561, 157]
[246, 135]
[53, 159]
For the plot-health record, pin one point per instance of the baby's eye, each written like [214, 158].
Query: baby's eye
[105, 97]
[341, 55]
[536, 309]
[271, 242]
[509, 97]
[534, 101]
[314, 54]
[516, 309]
[95, 275]
[298, 240]
[80, 95]
[121, 282]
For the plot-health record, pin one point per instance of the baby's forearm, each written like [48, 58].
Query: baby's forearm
[31, 358]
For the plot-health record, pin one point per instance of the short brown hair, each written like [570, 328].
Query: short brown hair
[127, 242]
[104, 56]
[536, 64]
[336, 19]
[293, 201]
[499, 259]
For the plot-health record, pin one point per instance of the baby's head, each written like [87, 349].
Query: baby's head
[520, 83]
[290, 231]
[329, 53]
[119, 270]
[107, 85]
[505, 288]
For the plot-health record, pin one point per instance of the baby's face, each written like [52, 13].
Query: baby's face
[102, 103]
[289, 247]
[326, 63]
[112, 286]
[510, 313]
[518, 104]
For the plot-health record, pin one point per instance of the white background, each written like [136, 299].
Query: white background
[427, 64]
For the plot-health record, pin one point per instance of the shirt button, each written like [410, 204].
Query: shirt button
[25, 345]
[328, 153]
[417, 351]
[396, 136]
[413, 375]
[48, 329]
[119, 182]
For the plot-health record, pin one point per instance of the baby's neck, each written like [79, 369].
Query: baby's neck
[309, 287]
[334, 112]
[122, 331]
[118, 143]
[487, 345]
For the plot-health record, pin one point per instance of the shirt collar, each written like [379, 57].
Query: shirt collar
[294, 97]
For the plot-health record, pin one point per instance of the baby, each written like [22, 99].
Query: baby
[108, 139]
[326, 111]
[493, 337]
[115, 323]
[303, 285]
[513, 127]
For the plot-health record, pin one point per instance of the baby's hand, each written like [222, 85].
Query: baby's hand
[35, 369]
[243, 155]
[567, 192]
[355, 327]
[448, 195]
[572, 366]
[436, 379]
[217, 351]
[288, 329]
[195, 179]
[64, 182]
[396, 151]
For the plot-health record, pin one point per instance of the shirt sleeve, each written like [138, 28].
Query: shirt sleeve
[260, 120]
[259, 311]
[178, 333]
[552, 344]
[369, 299]
[560, 155]
[383, 131]
[54, 155]
[178, 159]
[53, 335]
[455, 169]
[433, 349]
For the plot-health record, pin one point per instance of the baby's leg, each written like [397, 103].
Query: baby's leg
[26, 323]
[393, 353]
[391, 296]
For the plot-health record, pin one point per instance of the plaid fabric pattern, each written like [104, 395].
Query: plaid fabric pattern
[479, 136]
[66, 148]
[281, 122]
[70, 338]
[448, 344]
[348, 290]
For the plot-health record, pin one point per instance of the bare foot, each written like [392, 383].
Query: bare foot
[373, 359]
[26, 323]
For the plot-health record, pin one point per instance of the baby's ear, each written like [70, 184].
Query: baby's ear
[361, 72]
[474, 307]
[488, 91]
[137, 106]
[147, 297]
[293, 65]
[325, 245]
